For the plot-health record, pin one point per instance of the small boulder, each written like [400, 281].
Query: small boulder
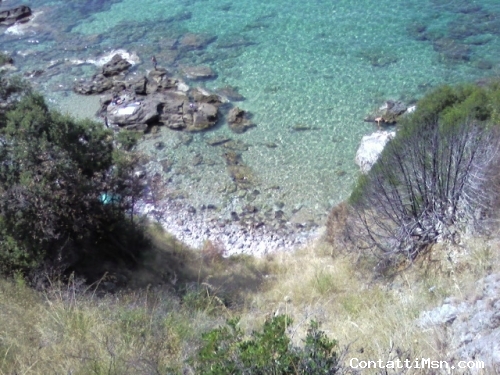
[238, 120]
[117, 65]
[203, 117]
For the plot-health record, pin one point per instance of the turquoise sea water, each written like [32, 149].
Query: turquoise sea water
[321, 64]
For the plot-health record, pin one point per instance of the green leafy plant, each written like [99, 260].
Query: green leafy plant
[226, 350]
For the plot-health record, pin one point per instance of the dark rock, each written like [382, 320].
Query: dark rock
[393, 109]
[139, 85]
[417, 30]
[238, 120]
[484, 64]
[217, 141]
[235, 42]
[279, 214]
[303, 127]
[197, 160]
[232, 158]
[452, 50]
[117, 65]
[11, 16]
[96, 85]
[236, 145]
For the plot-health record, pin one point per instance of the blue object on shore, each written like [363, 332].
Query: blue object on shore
[107, 198]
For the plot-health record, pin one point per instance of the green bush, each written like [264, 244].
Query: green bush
[226, 350]
[53, 172]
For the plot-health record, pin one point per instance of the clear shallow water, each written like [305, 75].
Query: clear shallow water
[322, 64]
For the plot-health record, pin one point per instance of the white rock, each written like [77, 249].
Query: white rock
[370, 148]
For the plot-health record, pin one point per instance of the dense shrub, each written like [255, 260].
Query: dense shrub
[434, 180]
[54, 173]
[226, 350]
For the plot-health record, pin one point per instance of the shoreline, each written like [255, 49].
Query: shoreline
[195, 229]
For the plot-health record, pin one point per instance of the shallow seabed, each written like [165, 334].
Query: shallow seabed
[323, 65]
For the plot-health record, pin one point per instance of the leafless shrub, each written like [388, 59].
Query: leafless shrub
[432, 182]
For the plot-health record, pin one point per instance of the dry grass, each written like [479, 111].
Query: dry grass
[154, 329]
[375, 316]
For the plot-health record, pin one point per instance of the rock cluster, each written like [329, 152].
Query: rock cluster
[158, 98]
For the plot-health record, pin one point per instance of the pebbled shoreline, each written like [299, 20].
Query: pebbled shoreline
[195, 228]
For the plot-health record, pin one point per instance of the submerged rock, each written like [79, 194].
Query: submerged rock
[230, 93]
[238, 120]
[193, 41]
[198, 72]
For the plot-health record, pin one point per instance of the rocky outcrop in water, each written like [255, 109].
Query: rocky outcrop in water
[389, 113]
[155, 99]
[11, 16]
